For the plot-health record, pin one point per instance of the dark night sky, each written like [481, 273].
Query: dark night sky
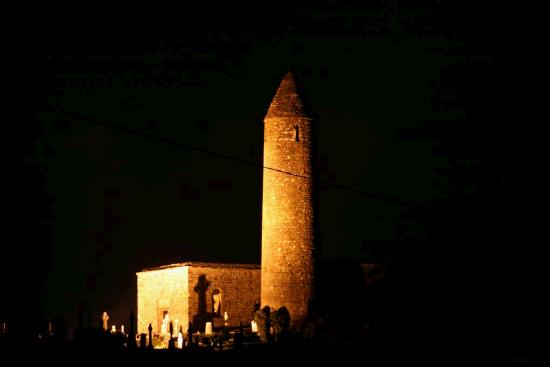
[409, 104]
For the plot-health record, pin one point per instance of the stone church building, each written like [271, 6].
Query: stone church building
[199, 292]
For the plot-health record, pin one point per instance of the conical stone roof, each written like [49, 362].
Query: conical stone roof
[287, 101]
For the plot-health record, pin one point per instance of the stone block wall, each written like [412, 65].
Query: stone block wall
[162, 290]
[239, 286]
[288, 216]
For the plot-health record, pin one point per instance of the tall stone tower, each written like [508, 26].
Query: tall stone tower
[288, 210]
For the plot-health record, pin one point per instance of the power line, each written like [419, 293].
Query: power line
[176, 143]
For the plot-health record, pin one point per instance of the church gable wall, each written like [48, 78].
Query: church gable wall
[160, 291]
[239, 288]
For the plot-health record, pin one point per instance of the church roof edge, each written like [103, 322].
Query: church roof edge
[201, 265]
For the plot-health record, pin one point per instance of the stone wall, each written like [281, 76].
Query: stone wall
[239, 286]
[288, 204]
[162, 290]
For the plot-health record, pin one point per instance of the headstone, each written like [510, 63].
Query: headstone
[142, 340]
[208, 328]
[122, 329]
[180, 340]
[168, 337]
[113, 329]
[150, 329]
[190, 332]
[105, 319]
[132, 338]
[254, 326]
[163, 327]
[238, 339]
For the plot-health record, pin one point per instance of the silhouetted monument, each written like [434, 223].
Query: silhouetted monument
[142, 341]
[132, 335]
[171, 340]
[150, 346]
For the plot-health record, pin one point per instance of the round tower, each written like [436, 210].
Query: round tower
[288, 211]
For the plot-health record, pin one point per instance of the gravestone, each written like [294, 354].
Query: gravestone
[132, 338]
[142, 340]
[105, 319]
[208, 328]
[150, 328]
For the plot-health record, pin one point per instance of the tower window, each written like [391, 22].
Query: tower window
[297, 129]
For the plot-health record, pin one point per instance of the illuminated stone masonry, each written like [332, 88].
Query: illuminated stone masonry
[288, 215]
[200, 292]
[197, 292]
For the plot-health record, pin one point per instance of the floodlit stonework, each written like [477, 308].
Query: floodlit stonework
[202, 292]
[288, 217]
[185, 291]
